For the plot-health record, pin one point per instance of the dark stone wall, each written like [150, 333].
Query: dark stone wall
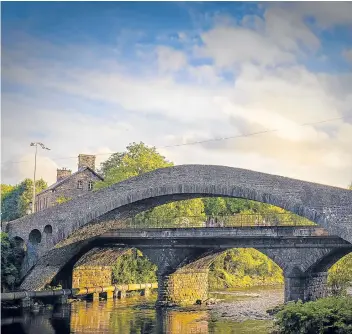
[307, 287]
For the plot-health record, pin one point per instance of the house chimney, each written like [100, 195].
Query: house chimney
[86, 160]
[62, 173]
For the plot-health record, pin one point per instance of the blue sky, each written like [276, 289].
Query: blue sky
[91, 77]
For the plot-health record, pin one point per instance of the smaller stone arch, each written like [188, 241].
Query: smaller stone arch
[48, 229]
[35, 237]
[327, 261]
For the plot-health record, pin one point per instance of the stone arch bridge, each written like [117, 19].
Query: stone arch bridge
[54, 236]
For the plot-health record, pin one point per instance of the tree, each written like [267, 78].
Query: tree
[11, 259]
[215, 206]
[350, 186]
[340, 275]
[136, 160]
[133, 267]
[17, 199]
[6, 190]
[139, 159]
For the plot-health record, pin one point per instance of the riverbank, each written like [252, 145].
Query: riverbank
[247, 305]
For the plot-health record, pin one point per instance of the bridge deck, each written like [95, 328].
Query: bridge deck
[268, 236]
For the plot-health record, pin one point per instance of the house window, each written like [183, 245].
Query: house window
[90, 185]
[80, 184]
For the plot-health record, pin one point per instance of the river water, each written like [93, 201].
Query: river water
[132, 315]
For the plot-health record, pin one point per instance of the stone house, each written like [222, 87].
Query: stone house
[68, 185]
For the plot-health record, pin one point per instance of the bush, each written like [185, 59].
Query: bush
[11, 259]
[133, 267]
[326, 315]
[340, 276]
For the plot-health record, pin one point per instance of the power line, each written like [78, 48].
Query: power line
[205, 140]
[247, 134]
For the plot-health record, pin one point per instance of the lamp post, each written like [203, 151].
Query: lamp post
[35, 168]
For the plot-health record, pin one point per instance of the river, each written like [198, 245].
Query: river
[240, 311]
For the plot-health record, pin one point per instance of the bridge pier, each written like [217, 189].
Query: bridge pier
[183, 287]
[178, 283]
[306, 287]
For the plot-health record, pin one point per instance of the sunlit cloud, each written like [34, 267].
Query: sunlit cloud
[200, 75]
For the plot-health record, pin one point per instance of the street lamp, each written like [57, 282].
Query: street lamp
[29, 209]
[35, 168]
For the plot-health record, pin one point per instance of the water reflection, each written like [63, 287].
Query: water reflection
[131, 315]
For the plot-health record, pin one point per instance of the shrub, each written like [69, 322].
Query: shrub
[11, 259]
[326, 315]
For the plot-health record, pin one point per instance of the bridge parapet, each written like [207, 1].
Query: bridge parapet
[235, 220]
[216, 232]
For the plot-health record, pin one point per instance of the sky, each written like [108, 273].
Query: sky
[92, 77]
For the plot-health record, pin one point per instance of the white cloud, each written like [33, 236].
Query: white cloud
[348, 55]
[229, 46]
[286, 29]
[162, 111]
[327, 14]
[170, 59]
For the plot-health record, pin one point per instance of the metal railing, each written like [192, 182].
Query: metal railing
[236, 220]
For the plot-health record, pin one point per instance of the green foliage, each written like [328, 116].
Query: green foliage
[229, 207]
[243, 268]
[11, 259]
[218, 206]
[6, 189]
[133, 267]
[326, 315]
[15, 200]
[175, 214]
[136, 160]
[62, 199]
[340, 275]
[52, 288]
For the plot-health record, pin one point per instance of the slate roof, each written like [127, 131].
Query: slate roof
[58, 183]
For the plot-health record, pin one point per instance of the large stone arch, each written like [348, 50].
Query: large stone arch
[329, 207]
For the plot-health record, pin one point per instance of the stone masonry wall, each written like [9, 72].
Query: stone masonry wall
[306, 288]
[91, 276]
[316, 286]
[86, 160]
[184, 287]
